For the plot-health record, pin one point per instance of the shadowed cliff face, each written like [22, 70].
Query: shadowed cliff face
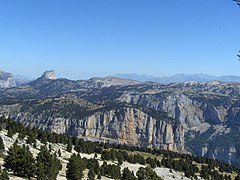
[201, 118]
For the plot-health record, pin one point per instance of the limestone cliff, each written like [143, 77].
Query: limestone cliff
[123, 125]
[6, 80]
[48, 75]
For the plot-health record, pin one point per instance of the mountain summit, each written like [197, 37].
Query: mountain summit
[48, 75]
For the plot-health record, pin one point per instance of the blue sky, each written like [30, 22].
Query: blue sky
[86, 38]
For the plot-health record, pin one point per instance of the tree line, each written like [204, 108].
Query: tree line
[180, 162]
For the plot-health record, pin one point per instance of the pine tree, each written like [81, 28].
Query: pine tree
[41, 171]
[110, 170]
[20, 161]
[151, 162]
[141, 174]
[75, 168]
[120, 158]
[69, 145]
[31, 138]
[4, 175]
[1, 144]
[127, 174]
[99, 176]
[59, 153]
[237, 177]
[48, 165]
[50, 147]
[91, 174]
[147, 173]
[35, 144]
[10, 132]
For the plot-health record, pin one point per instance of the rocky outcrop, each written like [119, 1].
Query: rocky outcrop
[113, 81]
[48, 75]
[123, 125]
[189, 112]
[132, 126]
[6, 80]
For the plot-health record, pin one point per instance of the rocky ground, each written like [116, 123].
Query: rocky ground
[165, 173]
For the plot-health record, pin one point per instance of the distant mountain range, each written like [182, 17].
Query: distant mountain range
[10, 80]
[21, 80]
[180, 78]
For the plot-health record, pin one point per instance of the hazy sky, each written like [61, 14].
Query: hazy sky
[85, 38]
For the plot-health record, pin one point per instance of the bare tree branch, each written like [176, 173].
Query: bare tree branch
[237, 1]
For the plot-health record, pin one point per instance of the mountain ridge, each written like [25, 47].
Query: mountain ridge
[22, 80]
[180, 78]
[192, 116]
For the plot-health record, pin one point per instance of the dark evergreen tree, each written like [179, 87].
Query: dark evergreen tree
[75, 168]
[31, 139]
[35, 144]
[41, 171]
[127, 174]
[92, 163]
[4, 175]
[141, 174]
[50, 147]
[147, 173]
[120, 158]
[10, 132]
[99, 176]
[237, 177]
[151, 162]
[1, 144]
[43, 137]
[59, 153]
[91, 174]
[48, 165]
[204, 172]
[20, 161]
[103, 168]
[110, 170]
[69, 145]
[21, 135]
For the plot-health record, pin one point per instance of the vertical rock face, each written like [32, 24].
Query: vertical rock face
[48, 75]
[6, 80]
[122, 125]
[132, 126]
[189, 112]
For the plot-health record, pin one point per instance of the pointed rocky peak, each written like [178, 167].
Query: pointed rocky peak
[48, 75]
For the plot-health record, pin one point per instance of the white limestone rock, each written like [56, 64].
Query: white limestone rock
[7, 80]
